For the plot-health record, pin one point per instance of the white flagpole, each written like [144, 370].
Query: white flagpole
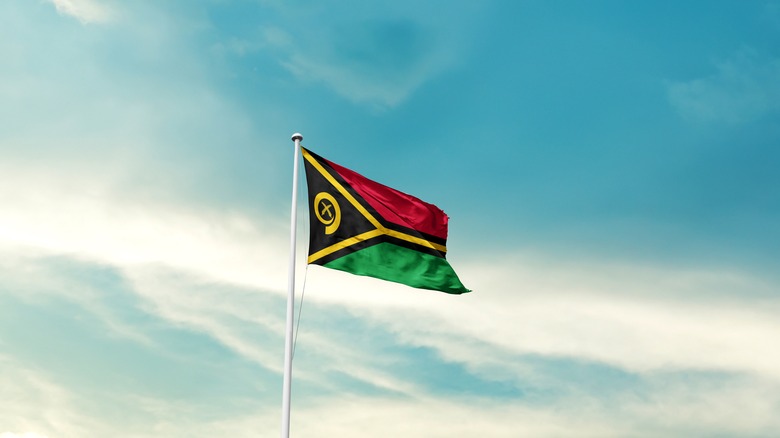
[296, 138]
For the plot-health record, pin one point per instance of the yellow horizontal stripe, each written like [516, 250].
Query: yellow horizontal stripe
[343, 244]
[418, 240]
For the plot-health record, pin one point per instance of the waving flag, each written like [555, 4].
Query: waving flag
[366, 228]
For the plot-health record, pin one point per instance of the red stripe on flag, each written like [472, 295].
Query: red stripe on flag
[396, 206]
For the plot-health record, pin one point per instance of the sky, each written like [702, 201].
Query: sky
[610, 169]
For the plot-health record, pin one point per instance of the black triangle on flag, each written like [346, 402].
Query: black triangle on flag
[336, 226]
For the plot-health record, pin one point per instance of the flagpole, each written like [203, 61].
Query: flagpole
[288, 340]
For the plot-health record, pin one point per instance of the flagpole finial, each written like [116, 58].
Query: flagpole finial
[297, 136]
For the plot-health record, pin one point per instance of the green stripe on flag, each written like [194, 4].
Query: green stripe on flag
[401, 265]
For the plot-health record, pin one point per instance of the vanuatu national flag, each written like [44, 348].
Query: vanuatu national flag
[366, 228]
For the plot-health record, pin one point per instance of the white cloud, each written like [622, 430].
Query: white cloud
[645, 320]
[175, 258]
[376, 55]
[439, 418]
[743, 88]
[22, 435]
[636, 318]
[89, 146]
[70, 215]
[238, 318]
[86, 11]
[676, 409]
[668, 412]
[31, 402]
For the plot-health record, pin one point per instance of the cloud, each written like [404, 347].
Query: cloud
[635, 318]
[662, 405]
[207, 271]
[376, 56]
[665, 412]
[33, 403]
[218, 275]
[86, 11]
[638, 318]
[744, 88]
[23, 435]
[97, 224]
[665, 408]
[157, 129]
[378, 62]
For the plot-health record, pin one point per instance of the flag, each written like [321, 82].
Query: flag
[363, 227]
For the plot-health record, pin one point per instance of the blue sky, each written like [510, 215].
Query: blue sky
[609, 168]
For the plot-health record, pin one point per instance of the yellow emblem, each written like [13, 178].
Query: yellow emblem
[328, 212]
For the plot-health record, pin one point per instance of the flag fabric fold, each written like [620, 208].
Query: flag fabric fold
[366, 228]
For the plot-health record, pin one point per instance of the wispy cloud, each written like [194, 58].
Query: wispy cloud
[211, 273]
[86, 11]
[100, 226]
[378, 62]
[33, 405]
[743, 88]
[377, 56]
[641, 320]
[23, 435]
